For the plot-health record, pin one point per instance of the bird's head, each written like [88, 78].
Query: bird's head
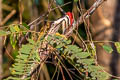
[70, 15]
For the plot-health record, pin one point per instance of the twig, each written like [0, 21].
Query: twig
[77, 40]
[7, 52]
[54, 27]
[90, 11]
[62, 72]
[46, 14]
[20, 11]
[78, 22]
[39, 18]
[7, 7]
[66, 69]
[8, 17]
[86, 15]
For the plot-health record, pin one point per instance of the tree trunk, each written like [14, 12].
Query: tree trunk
[115, 61]
[102, 32]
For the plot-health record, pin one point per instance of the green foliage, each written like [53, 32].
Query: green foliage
[13, 40]
[107, 48]
[24, 62]
[25, 25]
[29, 57]
[14, 31]
[114, 79]
[4, 33]
[14, 28]
[117, 44]
[82, 60]
[75, 0]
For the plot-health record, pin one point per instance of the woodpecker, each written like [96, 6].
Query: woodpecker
[70, 15]
[67, 10]
[66, 22]
[69, 22]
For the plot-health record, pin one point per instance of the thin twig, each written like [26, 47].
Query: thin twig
[64, 67]
[79, 21]
[7, 7]
[20, 11]
[8, 17]
[6, 50]
[47, 13]
[62, 72]
[39, 21]
[90, 11]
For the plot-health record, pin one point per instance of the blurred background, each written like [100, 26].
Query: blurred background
[104, 26]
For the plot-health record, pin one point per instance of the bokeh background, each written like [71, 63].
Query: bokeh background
[104, 26]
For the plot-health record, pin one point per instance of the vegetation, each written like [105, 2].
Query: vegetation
[43, 47]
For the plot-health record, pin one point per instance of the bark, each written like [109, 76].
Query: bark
[115, 61]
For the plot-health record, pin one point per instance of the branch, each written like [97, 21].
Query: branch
[38, 20]
[55, 27]
[86, 15]
[8, 17]
[90, 11]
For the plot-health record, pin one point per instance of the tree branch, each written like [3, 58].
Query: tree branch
[54, 28]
